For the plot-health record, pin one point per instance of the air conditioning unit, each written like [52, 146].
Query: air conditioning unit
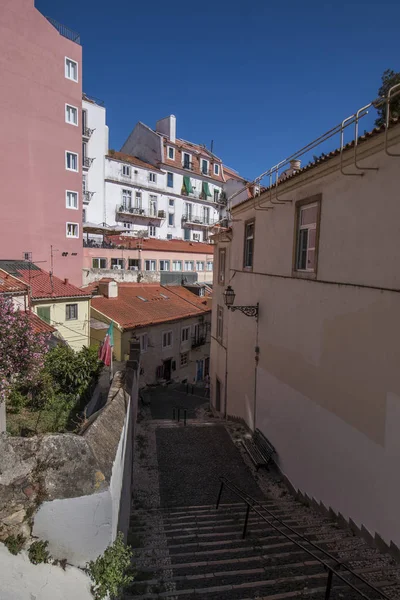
[134, 268]
[161, 214]
[196, 237]
[117, 267]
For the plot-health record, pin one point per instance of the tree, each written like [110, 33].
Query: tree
[389, 79]
[22, 351]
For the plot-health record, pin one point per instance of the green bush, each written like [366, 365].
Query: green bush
[38, 552]
[109, 571]
[16, 400]
[15, 543]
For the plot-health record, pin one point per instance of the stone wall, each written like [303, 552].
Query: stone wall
[74, 490]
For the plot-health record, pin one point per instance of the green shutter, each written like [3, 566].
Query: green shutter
[205, 190]
[187, 183]
[44, 313]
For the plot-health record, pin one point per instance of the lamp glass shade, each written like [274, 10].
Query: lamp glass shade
[229, 296]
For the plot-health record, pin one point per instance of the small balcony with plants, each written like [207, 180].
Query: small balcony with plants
[139, 215]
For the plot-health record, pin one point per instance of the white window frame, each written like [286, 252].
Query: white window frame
[189, 262]
[216, 169]
[173, 202]
[174, 262]
[127, 168]
[117, 262]
[76, 123]
[98, 258]
[77, 161]
[77, 69]
[152, 262]
[66, 199]
[173, 152]
[199, 262]
[151, 228]
[77, 230]
[201, 166]
[219, 334]
[208, 268]
[173, 219]
[165, 260]
[190, 158]
[144, 342]
[170, 186]
[68, 306]
[153, 205]
[308, 227]
[185, 333]
[168, 339]
[152, 177]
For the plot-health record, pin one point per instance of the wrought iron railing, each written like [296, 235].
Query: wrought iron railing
[65, 31]
[87, 132]
[87, 196]
[142, 212]
[198, 220]
[198, 340]
[271, 519]
[92, 99]
[87, 162]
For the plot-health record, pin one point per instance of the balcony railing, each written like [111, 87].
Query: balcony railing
[87, 132]
[87, 162]
[65, 31]
[198, 341]
[188, 166]
[194, 220]
[87, 196]
[221, 199]
[141, 212]
[92, 99]
[90, 243]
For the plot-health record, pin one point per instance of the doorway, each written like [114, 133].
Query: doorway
[199, 370]
[167, 369]
[218, 395]
[206, 366]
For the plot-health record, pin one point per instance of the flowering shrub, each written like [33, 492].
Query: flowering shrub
[22, 352]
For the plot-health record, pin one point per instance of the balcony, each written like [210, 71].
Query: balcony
[193, 220]
[198, 340]
[188, 166]
[140, 215]
[86, 197]
[65, 31]
[87, 132]
[87, 162]
[222, 199]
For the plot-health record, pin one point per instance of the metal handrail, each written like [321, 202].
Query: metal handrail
[66, 32]
[253, 504]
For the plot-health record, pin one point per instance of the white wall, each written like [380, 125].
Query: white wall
[97, 148]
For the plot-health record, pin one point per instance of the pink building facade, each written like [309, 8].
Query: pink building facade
[40, 141]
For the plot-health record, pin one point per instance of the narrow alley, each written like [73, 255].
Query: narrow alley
[184, 547]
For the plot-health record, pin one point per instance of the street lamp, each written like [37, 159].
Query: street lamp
[229, 299]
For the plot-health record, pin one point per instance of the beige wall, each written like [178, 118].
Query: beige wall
[75, 332]
[328, 384]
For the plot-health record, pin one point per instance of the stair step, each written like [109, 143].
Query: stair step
[212, 526]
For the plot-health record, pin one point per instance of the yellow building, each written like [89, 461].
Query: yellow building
[56, 301]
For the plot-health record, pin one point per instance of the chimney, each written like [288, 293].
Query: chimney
[167, 126]
[66, 281]
[295, 165]
[109, 289]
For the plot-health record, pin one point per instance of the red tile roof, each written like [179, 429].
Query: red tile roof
[113, 154]
[10, 284]
[162, 245]
[42, 284]
[139, 305]
[232, 174]
[198, 152]
[38, 325]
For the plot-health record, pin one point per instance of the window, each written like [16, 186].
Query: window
[127, 225]
[126, 170]
[144, 342]
[184, 359]
[84, 215]
[171, 152]
[117, 263]
[216, 169]
[167, 339]
[209, 265]
[177, 265]
[186, 161]
[216, 195]
[185, 333]
[220, 323]
[44, 313]
[72, 230]
[204, 166]
[186, 234]
[188, 211]
[152, 231]
[170, 180]
[149, 265]
[71, 69]
[99, 263]
[171, 202]
[307, 217]
[171, 219]
[138, 200]
[199, 265]
[126, 199]
[221, 266]
[164, 265]
[72, 199]
[71, 114]
[152, 177]
[189, 265]
[71, 312]
[206, 214]
[248, 244]
[71, 161]
[153, 205]
[134, 264]
[84, 184]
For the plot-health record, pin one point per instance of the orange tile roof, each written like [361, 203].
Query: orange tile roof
[139, 305]
[197, 153]
[114, 154]
[42, 284]
[232, 174]
[162, 245]
[38, 325]
[10, 284]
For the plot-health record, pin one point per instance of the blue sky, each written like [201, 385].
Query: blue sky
[261, 79]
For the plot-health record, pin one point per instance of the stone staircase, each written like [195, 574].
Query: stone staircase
[198, 552]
